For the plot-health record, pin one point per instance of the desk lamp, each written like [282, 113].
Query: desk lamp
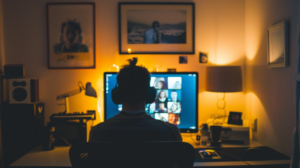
[89, 91]
[223, 79]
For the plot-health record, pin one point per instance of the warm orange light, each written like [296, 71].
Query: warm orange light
[265, 129]
[255, 29]
[100, 105]
[129, 50]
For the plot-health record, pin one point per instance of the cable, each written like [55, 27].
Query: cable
[65, 141]
[234, 157]
[216, 118]
[193, 140]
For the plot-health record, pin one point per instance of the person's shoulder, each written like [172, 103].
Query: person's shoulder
[171, 125]
[175, 130]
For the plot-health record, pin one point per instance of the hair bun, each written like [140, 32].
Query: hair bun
[133, 61]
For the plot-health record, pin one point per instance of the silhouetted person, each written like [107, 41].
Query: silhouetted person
[133, 124]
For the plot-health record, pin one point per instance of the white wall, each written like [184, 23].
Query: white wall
[219, 30]
[233, 32]
[270, 91]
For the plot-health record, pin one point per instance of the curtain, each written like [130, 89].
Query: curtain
[295, 150]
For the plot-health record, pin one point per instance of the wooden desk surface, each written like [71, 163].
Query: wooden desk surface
[192, 140]
[59, 157]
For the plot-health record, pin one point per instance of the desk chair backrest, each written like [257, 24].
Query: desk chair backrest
[139, 154]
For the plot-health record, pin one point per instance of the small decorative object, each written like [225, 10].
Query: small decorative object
[71, 35]
[183, 60]
[156, 28]
[278, 45]
[235, 118]
[171, 70]
[203, 57]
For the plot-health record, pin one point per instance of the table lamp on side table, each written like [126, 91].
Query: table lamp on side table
[223, 79]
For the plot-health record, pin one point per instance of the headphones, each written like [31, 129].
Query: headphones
[116, 95]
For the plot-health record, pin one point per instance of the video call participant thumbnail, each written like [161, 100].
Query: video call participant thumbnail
[173, 118]
[174, 96]
[174, 83]
[168, 117]
[162, 97]
[162, 108]
[159, 83]
[174, 107]
[161, 116]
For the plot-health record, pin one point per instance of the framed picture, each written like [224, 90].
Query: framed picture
[156, 28]
[278, 45]
[203, 57]
[235, 118]
[71, 35]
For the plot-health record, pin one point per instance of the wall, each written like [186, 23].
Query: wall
[270, 91]
[219, 30]
[233, 32]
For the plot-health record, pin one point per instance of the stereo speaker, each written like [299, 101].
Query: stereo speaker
[23, 90]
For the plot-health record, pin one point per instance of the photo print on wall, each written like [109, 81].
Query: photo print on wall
[71, 35]
[203, 57]
[156, 28]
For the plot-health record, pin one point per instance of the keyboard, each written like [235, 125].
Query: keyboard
[73, 116]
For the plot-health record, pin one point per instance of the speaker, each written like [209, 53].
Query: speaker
[22, 129]
[23, 90]
[14, 71]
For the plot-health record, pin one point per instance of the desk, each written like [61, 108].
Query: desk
[59, 157]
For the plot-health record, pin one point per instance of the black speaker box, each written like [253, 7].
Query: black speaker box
[22, 128]
[14, 71]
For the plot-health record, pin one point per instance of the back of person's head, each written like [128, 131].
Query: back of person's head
[133, 82]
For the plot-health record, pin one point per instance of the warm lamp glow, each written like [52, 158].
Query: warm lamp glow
[129, 50]
[265, 129]
[226, 58]
[100, 105]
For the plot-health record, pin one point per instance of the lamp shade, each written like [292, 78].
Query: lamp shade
[224, 79]
[89, 90]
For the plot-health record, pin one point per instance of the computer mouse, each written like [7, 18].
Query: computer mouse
[255, 153]
[209, 154]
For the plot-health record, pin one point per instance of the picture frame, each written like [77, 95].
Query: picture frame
[156, 28]
[71, 35]
[235, 118]
[203, 57]
[278, 45]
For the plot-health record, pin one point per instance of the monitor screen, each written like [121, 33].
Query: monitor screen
[176, 99]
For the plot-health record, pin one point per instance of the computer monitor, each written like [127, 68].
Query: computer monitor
[176, 100]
